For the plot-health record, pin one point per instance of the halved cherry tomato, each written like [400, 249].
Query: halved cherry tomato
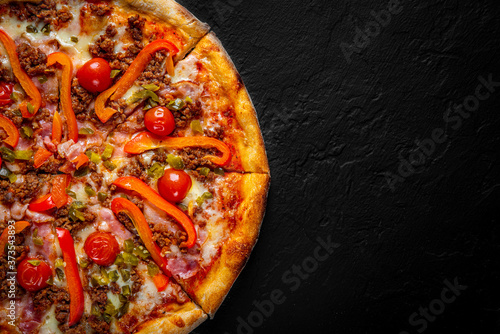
[42, 204]
[102, 248]
[95, 75]
[160, 121]
[5, 90]
[174, 185]
[33, 276]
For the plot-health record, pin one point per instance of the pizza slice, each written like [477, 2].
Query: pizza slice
[228, 111]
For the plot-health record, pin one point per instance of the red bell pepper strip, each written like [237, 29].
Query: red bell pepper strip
[41, 156]
[4, 238]
[127, 80]
[81, 160]
[169, 64]
[59, 185]
[29, 87]
[65, 95]
[145, 141]
[76, 304]
[11, 131]
[123, 205]
[161, 282]
[42, 204]
[56, 129]
[134, 184]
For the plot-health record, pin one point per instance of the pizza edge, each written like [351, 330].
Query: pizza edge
[184, 320]
[236, 250]
[219, 63]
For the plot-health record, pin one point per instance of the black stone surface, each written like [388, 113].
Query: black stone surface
[337, 131]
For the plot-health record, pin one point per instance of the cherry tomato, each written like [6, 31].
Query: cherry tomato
[160, 121]
[174, 185]
[33, 277]
[94, 75]
[5, 90]
[102, 248]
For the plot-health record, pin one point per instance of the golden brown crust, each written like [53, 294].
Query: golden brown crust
[250, 145]
[186, 318]
[175, 15]
[210, 291]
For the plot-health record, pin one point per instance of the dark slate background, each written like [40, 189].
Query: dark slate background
[334, 131]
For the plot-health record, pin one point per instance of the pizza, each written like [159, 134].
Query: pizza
[133, 177]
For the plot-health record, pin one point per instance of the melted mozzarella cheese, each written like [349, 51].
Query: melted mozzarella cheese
[79, 51]
[49, 325]
[216, 234]
[147, 297]
[186, 70]
[131, 91]
[197, 189]
[83, 235]
[114, 299]
[14, 27]
[148, 156]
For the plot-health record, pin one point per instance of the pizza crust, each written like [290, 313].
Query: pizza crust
[210, 291]
[215, 59]
[182, 321]
[175, 15]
